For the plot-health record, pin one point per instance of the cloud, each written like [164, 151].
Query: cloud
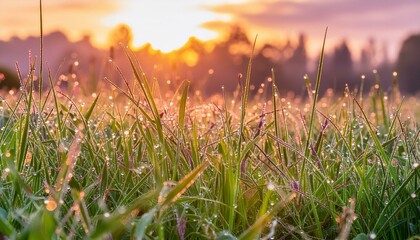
[300, 15]
[76, 18]
[387, 20]
[82, 5]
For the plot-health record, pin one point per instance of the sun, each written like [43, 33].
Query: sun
[167, 24]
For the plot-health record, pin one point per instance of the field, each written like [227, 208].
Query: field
[127, 163]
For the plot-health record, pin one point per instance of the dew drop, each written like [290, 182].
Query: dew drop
[50, 204]
[372, 235]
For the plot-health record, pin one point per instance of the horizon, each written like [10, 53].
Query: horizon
[208, 69]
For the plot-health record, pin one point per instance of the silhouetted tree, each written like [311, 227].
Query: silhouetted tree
[237, 35]
[295, 66]
[342, 66]
[261, 70]
[408, 65]
[239, 45]
[287, 50]
[227, 59]
[385, 67]
[121, 35]
[368, 56]
[299, 56]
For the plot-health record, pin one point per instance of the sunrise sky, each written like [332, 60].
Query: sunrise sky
[167, 24]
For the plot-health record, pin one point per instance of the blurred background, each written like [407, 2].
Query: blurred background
[210, 42]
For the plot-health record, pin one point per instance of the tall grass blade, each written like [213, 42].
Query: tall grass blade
[315, 97]
[41, 48]
[78, 196]
[244, 97]
[57, 109]
[380, 92]
[239, 154]
[6, 228]
[182, 105]
[90, 111]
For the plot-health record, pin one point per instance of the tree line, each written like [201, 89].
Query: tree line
[211, 66]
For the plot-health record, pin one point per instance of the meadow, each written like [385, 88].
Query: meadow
[127, 163]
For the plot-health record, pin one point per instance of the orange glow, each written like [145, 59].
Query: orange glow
[166, 24]
[190, 58]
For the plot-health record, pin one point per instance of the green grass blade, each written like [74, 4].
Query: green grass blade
[141, 226]
[42, 226]
[315, 97]
[79, 199]
[6, 228]
[378, 146]
[114, 222]
[394, 197]
[182, 105]
[41, 49]
[90, 111]
[184, 184]
[275, 94]
[57, 109]
[23, 143]
[241, 132]
[262, 222]
[245, 100]
[144, 86]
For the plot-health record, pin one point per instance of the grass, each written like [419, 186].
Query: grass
[80, 167]
[143, 167]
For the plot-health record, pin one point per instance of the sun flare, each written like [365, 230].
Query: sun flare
[167, 24]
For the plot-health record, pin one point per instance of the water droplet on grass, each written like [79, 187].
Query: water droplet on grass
[50, 204]
[372, 235]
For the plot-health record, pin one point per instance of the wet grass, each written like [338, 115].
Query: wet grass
[333, 166]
